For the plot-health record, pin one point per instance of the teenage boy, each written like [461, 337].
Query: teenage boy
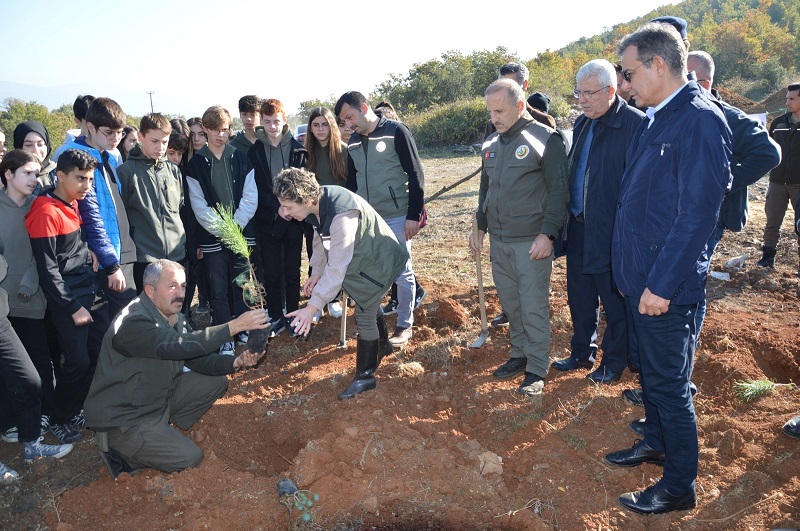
[102, 210]
[79, 109]
[67, 280]
[176, 147]
[152, 191]
[219, 175]
[384, 168]
[280, 238]
[249, 109]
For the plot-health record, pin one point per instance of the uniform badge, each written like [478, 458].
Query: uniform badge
[489, 155]
[522, 152]
[380, 147]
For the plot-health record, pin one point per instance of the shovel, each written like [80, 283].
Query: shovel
[343, 329]
[478, 343]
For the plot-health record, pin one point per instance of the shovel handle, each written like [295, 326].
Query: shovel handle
[343, 328]
[481, 297]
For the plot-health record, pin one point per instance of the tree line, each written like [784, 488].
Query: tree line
[753, 43]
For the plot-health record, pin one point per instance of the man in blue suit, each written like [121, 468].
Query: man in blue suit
[677, 173]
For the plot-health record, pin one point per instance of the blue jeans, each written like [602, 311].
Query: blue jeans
[713, 240]
[406, 286]
[665, 345]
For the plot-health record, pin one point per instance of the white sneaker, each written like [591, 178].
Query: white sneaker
[228, 349]
[7, 475]
[317, 317]
[243, 337]
[10, 435]
[335, 309]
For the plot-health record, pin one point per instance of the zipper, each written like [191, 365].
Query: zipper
[394, 197]
[366, 276]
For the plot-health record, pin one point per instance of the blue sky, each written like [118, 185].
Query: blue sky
[193, 54]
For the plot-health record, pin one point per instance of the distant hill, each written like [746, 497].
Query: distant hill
[753, 42]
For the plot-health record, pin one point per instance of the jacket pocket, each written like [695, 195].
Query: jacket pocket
[366, 276]
[394, 197]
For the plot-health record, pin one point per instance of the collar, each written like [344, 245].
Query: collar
[652, 111]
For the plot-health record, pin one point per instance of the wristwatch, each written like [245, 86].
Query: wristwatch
[551, 237]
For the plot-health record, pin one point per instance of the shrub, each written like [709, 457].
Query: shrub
[461, 122]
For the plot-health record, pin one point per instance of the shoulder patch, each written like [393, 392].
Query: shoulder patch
[522, 152]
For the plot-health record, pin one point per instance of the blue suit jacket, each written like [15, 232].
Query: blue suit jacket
[754, 155]
[676, 175]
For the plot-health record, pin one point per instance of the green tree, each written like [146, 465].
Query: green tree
[305, 108]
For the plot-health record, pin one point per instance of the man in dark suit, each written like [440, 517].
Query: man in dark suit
[677, 172]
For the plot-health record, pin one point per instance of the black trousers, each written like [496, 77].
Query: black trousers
[281, 257]
[23, 386]
[32, 334]
[585, 292]
[80, 348]
[222, 267]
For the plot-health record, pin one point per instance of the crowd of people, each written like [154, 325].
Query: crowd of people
[114, 231]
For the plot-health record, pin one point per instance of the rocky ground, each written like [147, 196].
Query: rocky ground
[440, 444]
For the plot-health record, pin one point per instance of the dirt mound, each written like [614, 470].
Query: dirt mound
[452, 312]
[774, 105]
[738, 101]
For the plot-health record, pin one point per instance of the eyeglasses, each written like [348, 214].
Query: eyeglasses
[626, 74]
[587, 93]
[111, 134]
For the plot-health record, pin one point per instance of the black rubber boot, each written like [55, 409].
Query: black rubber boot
[384, 347]
[768, 258]
[366, 363]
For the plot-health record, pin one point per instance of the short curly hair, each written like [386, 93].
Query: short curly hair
[298, 185]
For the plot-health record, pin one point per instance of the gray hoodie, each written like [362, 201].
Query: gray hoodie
[15, 245]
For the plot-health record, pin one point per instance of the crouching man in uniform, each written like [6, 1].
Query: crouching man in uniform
[354, 249]
[140, 386]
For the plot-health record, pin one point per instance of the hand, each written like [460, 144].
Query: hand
[199, 253]
[247, 359]
[116, 281]
[252, 320]
[95, 261]
[308, 287]
[542, 247]
[82, 317]
[652, 304]
[23, 295]
[412, 228]
[303, 319]
[476, 247]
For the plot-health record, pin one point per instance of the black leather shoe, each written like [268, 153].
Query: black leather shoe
[116, 464]
[656, 500]
[604, 376]
[792, 428]
[637, 426]
[511, 368]
[570, 364]
[634, 397]
[636, 455]
[500, 320]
